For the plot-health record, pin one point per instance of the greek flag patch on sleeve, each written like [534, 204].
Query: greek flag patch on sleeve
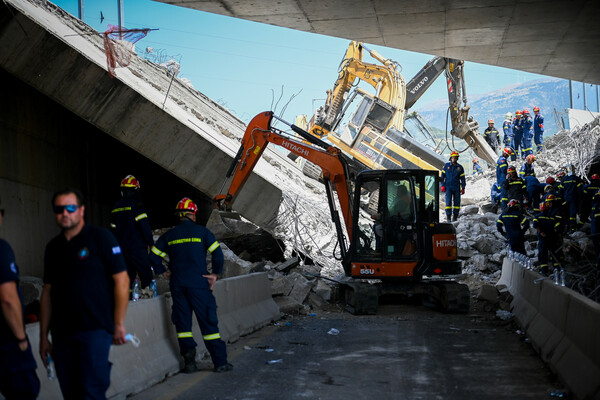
[116, 250]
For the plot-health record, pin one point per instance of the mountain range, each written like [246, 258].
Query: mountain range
[549, 94]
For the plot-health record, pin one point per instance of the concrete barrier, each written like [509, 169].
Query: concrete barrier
[244, 305]
[563, 326]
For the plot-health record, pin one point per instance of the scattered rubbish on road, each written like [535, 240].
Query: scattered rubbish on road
[558, 393]
[504, 315]
[247, 348]
[527, 340]
[333, 331]
[269, 350]
[312, 315]
[133, 339]
[454, 329]
[274, 361]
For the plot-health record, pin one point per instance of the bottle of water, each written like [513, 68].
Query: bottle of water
[50, 368]
[153, 288]
[136, 290]
[562, 277]
[556, 273]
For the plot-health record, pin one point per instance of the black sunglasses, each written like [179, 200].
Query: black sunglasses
[71, 208]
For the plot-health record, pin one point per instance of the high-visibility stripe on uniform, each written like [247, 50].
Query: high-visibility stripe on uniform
[141, 216]
[213, 246]
[184, 240]
[116, 210]
[159, 253]
[456, 207]
[181, 335]
[212, 336]
[113, 225]
[448, 207]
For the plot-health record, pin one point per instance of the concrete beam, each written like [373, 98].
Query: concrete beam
[192, 137]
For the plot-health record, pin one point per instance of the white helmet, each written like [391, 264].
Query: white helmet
[508, 115]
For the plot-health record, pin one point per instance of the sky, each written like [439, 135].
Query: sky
[250, 67]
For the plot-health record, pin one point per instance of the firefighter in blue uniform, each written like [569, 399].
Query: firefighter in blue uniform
[527, 168]
[517, 135]
[527, 126]
[516, 224]
[491, 135]
[502, 166]
[572, 193]
[476, 167]
[513, 188]
[496, 196]
[538, 129]
[548, 232]
[589, 191]
[453, 184]
[129, 223]
[535, 190]
[507, 127]
[18, 379]
[191, 285]
[595, 222]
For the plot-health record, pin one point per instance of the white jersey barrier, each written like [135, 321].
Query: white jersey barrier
[244, 305]
[564, 327]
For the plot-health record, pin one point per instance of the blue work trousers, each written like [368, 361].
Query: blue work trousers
[202, 302]
[527, 146]
[517, 144]
[82, 365]
[452, 201]
[573, 209]
[18, 380]
[538, 138]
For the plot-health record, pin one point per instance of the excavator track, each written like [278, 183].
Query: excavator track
[451, 297]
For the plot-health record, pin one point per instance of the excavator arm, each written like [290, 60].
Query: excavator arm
[386, 79]
[259, 133]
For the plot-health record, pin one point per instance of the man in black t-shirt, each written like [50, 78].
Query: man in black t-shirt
[18, 379]
[84, 300]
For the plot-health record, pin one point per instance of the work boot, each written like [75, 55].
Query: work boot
[448, 219]
[189, 359]
[455, 218]
[224, 368]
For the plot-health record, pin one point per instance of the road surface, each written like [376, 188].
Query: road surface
[404, 352]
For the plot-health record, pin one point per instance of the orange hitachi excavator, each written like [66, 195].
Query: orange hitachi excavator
[404, 246]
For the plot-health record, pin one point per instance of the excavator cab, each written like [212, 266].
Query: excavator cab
[403, 238]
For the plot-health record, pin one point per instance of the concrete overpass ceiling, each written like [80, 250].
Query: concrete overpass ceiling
[559, 38]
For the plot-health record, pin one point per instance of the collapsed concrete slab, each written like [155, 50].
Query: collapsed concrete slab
[190, 135]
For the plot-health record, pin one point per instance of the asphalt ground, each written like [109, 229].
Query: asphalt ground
[404, 352]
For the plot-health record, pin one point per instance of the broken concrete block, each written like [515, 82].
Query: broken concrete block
[316, 301]
[488, 293]
[479, 261]
[323, 290]
[281, 286]
[470, 210]
[287, 305]
[258, 267]
[288, 264]
[301, 289]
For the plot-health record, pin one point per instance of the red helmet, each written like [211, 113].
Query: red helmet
[508, 151]
[543, 207]
[511, 169]
[550, 180]
[186, 205]
[595, 176]
[525, 111]
[560, 175]
[536, 108]
[454, 154]
[130, 182]
[476, 160]
[550, 197]
[518, 112]
[490, 121]
[530, 157]
[513, 203]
